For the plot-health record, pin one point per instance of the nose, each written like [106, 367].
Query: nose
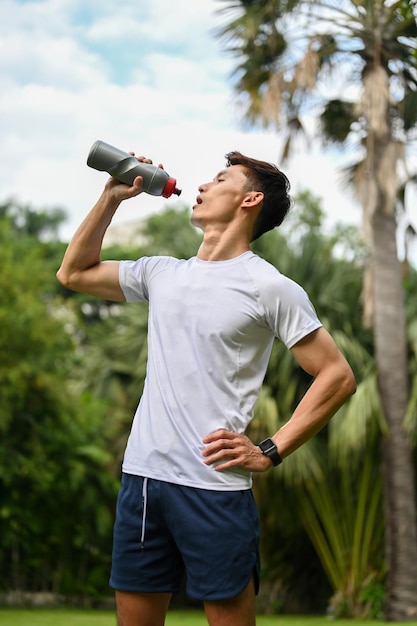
[202, 187]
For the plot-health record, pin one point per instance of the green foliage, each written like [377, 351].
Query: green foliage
[171, 233]
[373, 597]
[341, 516]
[25, 222]
[57, 495]
[29, 335]
[336, 120]
[71, 374]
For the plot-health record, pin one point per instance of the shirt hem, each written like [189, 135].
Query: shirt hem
[185, 482]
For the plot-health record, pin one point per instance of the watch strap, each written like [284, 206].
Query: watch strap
[269, 449]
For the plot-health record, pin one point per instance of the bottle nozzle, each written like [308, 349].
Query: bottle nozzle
[170, 188]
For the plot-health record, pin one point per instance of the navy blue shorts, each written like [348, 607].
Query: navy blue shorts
[163, 531]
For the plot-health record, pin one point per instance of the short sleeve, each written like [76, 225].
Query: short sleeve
[135, 276]
[289, 311]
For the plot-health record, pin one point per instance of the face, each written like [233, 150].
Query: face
[219, 200]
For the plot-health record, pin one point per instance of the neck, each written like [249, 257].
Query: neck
[217, 247]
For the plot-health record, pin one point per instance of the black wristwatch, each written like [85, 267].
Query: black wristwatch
[270, 450]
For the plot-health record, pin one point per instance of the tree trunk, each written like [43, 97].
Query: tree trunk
[397, 464]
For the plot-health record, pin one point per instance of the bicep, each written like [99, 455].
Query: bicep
[317, 351]
[100, 280]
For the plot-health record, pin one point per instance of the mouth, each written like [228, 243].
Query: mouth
[198, 201]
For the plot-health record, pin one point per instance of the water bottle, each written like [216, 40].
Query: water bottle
[125, 167]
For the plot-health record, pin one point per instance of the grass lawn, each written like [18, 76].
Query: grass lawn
[73, 617]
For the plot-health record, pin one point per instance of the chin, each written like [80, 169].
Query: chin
[195, 221]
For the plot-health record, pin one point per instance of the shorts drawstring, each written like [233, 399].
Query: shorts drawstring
[144, 509]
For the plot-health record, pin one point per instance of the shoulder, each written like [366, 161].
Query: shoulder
[136, 276]
[147, 265]
[286, 306]
[270, 280]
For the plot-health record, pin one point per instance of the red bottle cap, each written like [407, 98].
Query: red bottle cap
[170, 188]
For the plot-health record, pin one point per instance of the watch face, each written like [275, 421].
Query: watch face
[270, 450]
[267, 446]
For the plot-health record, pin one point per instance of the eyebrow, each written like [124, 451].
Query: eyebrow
[222, 173]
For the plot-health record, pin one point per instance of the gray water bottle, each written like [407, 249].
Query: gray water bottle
[125, 167]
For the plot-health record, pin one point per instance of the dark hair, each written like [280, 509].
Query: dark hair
[273, 183]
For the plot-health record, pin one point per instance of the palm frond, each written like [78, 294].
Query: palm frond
[341, 518]
[357, 424]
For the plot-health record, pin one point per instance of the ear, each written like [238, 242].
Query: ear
[253, 199]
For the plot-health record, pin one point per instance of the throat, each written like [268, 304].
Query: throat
[221, 248]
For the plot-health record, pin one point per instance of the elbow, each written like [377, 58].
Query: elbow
[65, 279]
[62, 277]
[348, 382]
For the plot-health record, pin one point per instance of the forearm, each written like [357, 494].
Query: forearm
[328, 392]
[81, 268]
[84, 249]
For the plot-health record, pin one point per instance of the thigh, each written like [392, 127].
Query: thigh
[141, 609]
[145, 558]
[218, 537]
[238, 611]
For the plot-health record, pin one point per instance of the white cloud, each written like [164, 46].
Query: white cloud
[146, 78]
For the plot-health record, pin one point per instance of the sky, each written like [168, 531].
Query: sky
[149, 77]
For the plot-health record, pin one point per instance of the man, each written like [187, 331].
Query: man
[185, 502]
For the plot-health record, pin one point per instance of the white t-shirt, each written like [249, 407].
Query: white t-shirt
[210, 333]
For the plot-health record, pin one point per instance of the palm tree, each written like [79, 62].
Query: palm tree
[288, 52]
